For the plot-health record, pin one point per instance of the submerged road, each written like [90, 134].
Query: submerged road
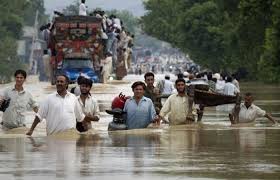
[209, 150]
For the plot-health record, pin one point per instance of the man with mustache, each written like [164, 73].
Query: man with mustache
[59, 109]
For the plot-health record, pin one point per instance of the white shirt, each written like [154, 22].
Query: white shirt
[236, 83]
[89, 108]
[82, 10]
[77, 91]
[60, 113]
[230, 89]
[168, 87]
[117, 22]
[178, 108]
[250, 114]
[220, 86]
[14, 117]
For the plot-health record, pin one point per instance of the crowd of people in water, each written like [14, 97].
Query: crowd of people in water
[75, 109]
[64, 110]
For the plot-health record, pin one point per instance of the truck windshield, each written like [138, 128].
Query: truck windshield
[77, 63]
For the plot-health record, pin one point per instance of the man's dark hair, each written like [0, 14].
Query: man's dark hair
[118, 31]
[214, 80]
[180, 80]
[180, 76]
[198, 76]
[229, 79]
[83, 1]
[20, 71]
[249, 94]
[235, 76]
[66, 77]
[167, 77]
[46, 52]
[79, 79]
[149, 74]
[209, 76]
[87, 82]
[137, 83]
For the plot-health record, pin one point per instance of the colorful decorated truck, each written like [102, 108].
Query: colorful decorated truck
[76, 47]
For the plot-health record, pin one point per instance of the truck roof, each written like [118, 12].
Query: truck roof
[85, 19]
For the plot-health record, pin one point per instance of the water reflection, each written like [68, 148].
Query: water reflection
[139, 146]
[84, 153]
[171, 153]
[212, 150]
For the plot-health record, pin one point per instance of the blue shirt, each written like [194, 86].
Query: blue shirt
[139, 115]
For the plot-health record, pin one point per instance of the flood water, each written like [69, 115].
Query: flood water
[209, 150]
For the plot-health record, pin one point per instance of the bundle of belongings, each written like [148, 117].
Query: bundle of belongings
[5, 105]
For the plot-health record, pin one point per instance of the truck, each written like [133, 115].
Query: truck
[76, 47]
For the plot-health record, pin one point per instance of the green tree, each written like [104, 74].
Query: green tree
[269, 64]
[72, 9]
[196, 27]
[13, 15]
[220, 34]
[254, 18]
[131, 23]
[29, 14]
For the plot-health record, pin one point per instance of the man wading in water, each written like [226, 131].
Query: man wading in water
[140, 109]
[60, 109]
[88, 105]
[20, 101]
[177, 105]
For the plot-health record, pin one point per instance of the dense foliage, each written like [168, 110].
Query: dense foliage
[14, 14]
[222, 35]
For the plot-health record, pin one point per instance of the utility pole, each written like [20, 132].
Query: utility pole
[32, 61]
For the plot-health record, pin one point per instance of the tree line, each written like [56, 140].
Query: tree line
[14, 14]
[221, 35]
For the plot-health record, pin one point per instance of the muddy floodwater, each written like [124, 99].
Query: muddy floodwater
[209, 150]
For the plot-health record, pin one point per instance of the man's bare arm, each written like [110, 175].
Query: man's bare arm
[34, 124]
[268, 116]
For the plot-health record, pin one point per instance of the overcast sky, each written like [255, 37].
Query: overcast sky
[135, 6]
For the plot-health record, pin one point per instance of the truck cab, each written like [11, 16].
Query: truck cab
[74, 67]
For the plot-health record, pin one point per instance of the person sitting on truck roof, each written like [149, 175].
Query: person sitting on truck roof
[82, 8]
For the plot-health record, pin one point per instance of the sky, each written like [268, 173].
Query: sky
[135, 6]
